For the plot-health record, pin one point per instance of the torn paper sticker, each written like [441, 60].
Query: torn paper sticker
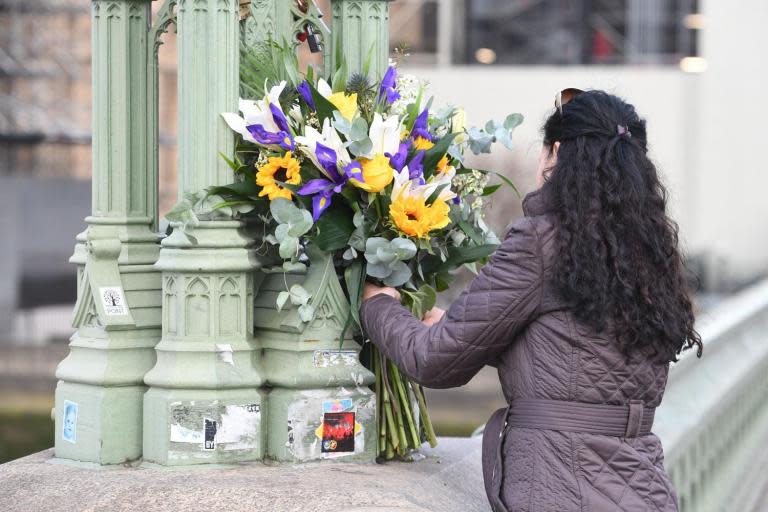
[328, 358]
[209, 428]
[224, 353]
[69, 425]
[338, 432]
[113, 301]
[338, 405]
[181, 434]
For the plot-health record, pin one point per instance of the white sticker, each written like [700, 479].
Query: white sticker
[224, 353]
[69, 427]
[181, 434]
[113, 300]
[329, 358]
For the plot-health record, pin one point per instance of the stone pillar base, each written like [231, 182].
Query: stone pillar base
[97, 423]
[197, 426]
[303, 424]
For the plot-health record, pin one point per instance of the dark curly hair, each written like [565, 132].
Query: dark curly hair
[619, 266]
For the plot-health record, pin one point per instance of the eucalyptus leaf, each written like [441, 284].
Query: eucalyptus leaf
[404, 249]
[400, 274]
[289, 248]
[306, 313]
[282, 298]
[299, 295]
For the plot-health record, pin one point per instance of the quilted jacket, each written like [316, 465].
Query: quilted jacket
[511, 317]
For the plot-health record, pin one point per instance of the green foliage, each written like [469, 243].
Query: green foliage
[334, 227]
[386, 259]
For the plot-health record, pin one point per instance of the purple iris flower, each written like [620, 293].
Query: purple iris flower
[353, 171]
[306, 93]
[416, 167]
[327, 159]
[420, 126]
[265, 138]
[397, 161]
[279, 118]
[388, 85]
[323, 189]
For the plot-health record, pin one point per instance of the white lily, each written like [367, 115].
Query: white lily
[385, 135]
[329, 138]
[256, 112]
[404, 186]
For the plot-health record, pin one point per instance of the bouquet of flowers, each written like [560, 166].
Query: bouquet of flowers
[373, 174]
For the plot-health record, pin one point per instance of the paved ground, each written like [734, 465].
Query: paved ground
[448, 479]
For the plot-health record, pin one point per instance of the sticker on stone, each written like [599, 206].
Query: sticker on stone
[338, 432]
[113, 301]
[209, 429]
[69, 425]
[329, 358]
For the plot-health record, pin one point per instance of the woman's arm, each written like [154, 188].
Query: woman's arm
[478, 326]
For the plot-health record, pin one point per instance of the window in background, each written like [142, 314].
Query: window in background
[547, 32]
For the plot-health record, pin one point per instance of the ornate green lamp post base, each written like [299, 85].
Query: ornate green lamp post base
[320, 405]
[204, 404]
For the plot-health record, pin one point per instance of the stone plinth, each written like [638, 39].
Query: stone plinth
[448, 479]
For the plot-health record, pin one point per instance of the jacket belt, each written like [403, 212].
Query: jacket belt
[631, 420]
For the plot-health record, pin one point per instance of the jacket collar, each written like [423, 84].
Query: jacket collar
[535, 203]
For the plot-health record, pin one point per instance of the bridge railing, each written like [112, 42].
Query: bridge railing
[713, 420]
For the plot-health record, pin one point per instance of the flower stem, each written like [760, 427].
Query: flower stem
[431, 438]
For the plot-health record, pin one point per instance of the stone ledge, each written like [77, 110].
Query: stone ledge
[448, 479]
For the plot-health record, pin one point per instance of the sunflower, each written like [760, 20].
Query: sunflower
[442, 165]
[283, 169]
[422, 143]
[412, 216]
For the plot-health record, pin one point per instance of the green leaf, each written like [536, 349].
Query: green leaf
[467, 228]
[354, 277]
[433, 156]
[359, 130]
[457, 256]
[289, 247]
[299, 295]
[404, 249]
[490, 189]
[420, 301]
[306, 313]
[400, 274]
[513, 121]
[334, 227]
[246, 188]
[434, 195]
[507, 181]
[340, 77]
[323, 107]
[282, 298]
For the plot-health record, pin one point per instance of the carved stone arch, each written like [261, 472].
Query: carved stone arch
[230, 314]
[197, 308]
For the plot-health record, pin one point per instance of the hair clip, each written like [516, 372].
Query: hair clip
[624, 131]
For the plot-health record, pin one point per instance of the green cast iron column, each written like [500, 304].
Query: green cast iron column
[117, 316]
[204, 404]
[360, 29]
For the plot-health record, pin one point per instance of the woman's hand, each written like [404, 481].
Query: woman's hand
[371, 290]
[433, 316]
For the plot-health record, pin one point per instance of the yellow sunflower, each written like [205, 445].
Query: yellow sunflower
[412, 216]
[442, 165]
[377, 174]
[421, 143]
[284, 169]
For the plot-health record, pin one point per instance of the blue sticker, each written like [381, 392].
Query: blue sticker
[338, 405]
[69, 428]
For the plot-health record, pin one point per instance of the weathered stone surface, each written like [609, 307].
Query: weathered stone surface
[448, 479]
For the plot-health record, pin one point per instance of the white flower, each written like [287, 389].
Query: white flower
[329, 138]
[385, 135]
[256, 112]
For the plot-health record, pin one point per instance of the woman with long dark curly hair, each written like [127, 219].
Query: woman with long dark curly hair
[581, 309]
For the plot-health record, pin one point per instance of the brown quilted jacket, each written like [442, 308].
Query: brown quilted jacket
[511, 317]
